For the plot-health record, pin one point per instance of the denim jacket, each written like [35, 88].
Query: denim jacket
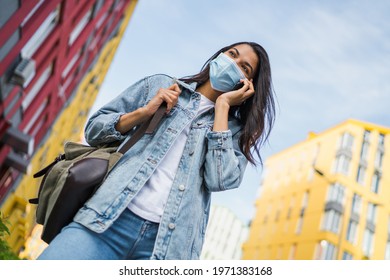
[211, 161]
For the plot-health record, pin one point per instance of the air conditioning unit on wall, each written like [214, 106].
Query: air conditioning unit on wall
[24, 72]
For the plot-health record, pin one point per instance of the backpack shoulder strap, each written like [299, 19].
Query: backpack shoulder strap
[148, 127]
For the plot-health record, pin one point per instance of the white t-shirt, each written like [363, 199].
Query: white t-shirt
[150, 201]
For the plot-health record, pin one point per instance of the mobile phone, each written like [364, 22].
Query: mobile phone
[238, 85]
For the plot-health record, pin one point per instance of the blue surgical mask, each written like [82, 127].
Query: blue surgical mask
[224, 73]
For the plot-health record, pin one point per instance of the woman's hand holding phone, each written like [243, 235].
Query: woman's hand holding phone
[242, 91]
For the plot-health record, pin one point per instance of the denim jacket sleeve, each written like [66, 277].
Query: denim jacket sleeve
[225, 163]
[100, 128]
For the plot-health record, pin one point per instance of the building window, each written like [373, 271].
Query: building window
[9, 44]
[39, 126]
[364, 151]
[41, 34]
[98, 5]
[114, 4]
[369, 234]
[361, 175]
[101, 20]
[305, 201]
[30, 14]
[277, 215]
[356, 204]
[344, 154]
[379, 160]
[371, 212]
[293, 252]
[36, 87]
[70, 65]
[119, 6]
[368, 242]
[335, 193]
[346, 141]
[366, 136]
[93, 43]
[375, 182]
[298, 229]
[352, 231]
[331, 221]
[347, 256]
[387, 252]
[6, 13]
[342, 164]
[79, 27]
[34, 118]
[290, 209]
[325, 251]
[381, 140]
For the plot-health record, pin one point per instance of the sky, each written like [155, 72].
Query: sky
[330, 61]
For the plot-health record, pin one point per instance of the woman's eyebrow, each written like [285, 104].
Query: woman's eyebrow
[246, 62]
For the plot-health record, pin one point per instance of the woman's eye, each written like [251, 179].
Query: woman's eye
[232, 53]
[245, 69]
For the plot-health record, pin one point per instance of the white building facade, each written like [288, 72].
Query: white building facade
[224, 236]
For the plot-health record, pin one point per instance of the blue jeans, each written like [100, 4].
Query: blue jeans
[130, 237]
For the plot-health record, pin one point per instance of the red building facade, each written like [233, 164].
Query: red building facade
[46, 48]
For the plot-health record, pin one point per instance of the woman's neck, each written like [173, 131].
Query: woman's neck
[207, 91]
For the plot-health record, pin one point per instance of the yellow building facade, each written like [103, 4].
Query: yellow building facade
[327, 197]
[68, 127]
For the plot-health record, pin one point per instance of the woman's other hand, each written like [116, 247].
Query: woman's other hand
[170, 95]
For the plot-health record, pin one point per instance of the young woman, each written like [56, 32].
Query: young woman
[155, 203]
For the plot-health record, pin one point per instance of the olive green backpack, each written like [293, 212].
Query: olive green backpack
[75, 175]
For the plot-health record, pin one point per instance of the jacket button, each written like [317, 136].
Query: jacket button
[171, 226]
[182, 187]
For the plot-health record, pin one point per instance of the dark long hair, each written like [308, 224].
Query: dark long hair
[257, 113]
